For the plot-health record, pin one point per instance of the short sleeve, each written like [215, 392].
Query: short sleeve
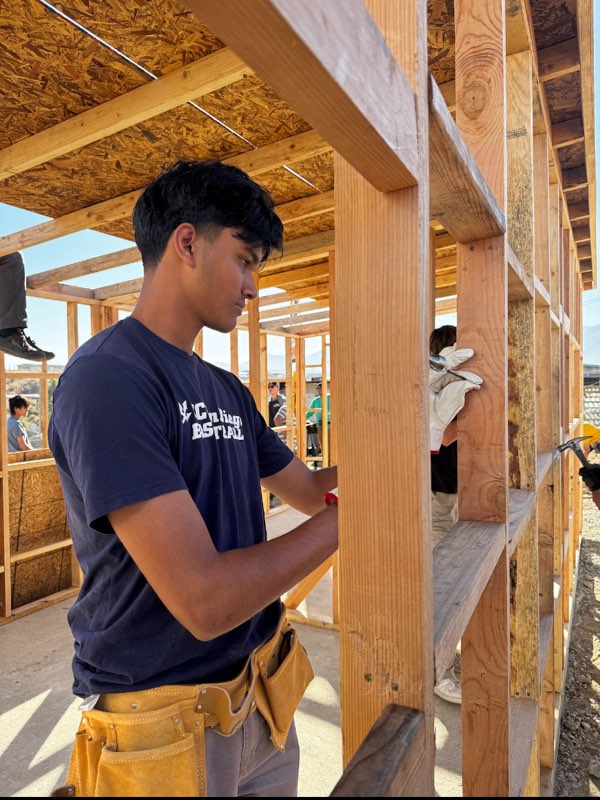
[109, 432]
[273, 455]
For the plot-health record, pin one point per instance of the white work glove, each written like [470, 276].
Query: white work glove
[447, 390]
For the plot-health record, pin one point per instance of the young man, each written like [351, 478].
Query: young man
[13, 312]
[314, 414]
[276, 400]
[190, 675]
[17, 435]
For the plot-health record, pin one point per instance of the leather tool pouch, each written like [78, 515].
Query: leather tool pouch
[285, 672]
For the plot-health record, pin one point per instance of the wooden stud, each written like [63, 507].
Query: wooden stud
[482, 447]
[234, 352]
[394, 625]
[72, 328]
[5, 576]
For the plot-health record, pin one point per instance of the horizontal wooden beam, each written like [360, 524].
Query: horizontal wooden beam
[567, 133]
[558, 60]
[201, 77]
[297, 308]
[462, 565]
[574, 178]
[287, 151]
[459, 196]
[374, 124]
[296, 251]
[584, 251]
[314, 273]
[446, 306]
[389, 761]
[313, 329]
[316, 290]
[299, 320]
[305, 207]
[577, 211]
[61, 291]
[91, 265]
[582, 233]
[121, 289]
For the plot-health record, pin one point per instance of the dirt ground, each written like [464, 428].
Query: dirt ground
[578, 765]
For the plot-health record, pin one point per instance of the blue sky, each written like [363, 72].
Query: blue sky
[47, 318]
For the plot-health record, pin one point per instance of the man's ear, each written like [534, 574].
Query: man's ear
[184, 239]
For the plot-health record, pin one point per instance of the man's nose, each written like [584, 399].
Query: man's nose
[250, 289]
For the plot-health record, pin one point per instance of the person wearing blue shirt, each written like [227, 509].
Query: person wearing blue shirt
[189, 673]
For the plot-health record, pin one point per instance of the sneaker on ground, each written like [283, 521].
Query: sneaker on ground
[448, 689]
[17, 343]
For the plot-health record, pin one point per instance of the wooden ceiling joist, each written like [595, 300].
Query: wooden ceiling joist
[293, 39]
[316, 290]
[313, 329]
[201, 77]
[263, 159]
[578, 211]
[314, 273]
[299, 320]
[297, 308]
[60, 291]
[567, 133]
[119, 289]
[558, 60]
[91, 265]
[296, 251]
[574, 178]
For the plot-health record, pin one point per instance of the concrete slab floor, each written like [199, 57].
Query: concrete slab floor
[39, 716]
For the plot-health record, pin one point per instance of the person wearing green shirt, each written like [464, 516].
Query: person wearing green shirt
[314, 417]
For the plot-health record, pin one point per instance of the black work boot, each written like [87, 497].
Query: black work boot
[15, 342]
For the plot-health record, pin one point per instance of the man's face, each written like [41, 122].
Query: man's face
[273, 390]
[21, 412]
[224, 280]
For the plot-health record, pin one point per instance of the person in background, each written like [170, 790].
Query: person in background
[444, 501]
[13, 312]
[314, 414]
[17, 435]
[276, 400]
[591, 477]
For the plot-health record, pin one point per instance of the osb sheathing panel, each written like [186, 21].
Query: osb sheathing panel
[572, 156]
[553, 21]
[283, 186]
[577, 196]
[40, 577]
[440, 39]
[161, 35]
[118, 164]
[254, 111]
[564, 97]
[306, 227]
[318, 170]
[50, 71]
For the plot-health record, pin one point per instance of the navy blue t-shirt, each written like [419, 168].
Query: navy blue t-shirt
[135, 417]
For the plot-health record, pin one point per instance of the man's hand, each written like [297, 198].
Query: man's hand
[591, 477]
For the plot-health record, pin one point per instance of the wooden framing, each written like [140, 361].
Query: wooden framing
[467, 188]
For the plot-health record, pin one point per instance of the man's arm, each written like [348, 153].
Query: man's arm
[209, 592]
[301, 487]
[23, 445]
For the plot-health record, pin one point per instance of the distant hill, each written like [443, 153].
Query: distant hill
[591, 345]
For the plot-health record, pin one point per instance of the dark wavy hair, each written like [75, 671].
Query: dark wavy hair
[17, 402]
[440, 338]
[210, 196]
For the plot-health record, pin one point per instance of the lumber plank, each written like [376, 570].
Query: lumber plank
[290, 40]
[459, 197]
[388, 762]
[463, 562]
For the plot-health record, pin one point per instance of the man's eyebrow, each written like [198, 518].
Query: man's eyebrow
[255, 252]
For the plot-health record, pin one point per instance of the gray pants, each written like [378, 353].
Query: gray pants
[13, 313]
[247, 764]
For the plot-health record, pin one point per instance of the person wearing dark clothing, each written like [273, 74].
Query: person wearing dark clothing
[13, 312]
